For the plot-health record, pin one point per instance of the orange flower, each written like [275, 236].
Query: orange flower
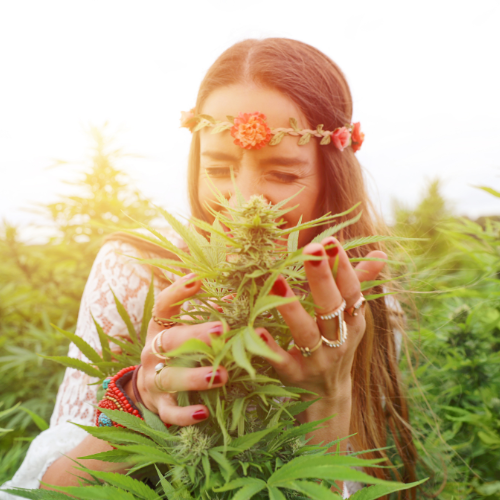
[357, 137]
[250, 130]
[187, 119]
[340, 138]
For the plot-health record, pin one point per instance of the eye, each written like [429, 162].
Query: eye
[218, 171]
[282, 177]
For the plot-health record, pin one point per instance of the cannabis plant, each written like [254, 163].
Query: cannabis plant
[250, 446]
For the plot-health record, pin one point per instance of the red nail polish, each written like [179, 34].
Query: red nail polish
[187, 278]
[263, 337]
[317, 253]
[216, 330]
[333, 251]
[200, 414]
[217, 377]
[279, 288]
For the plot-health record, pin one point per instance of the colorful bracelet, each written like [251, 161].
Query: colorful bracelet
[116, 398]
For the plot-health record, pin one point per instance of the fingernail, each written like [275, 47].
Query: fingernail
[200, 414]
[216, 330]
[332, 251]
[263, 337]
[279, 288]
[217, 378]
[187, 278]
[317, 253]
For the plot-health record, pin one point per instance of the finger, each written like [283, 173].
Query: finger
[346, 279]
[166, 304]
[172, 414]
[302, 326]
[287, 366]
[174, 337]
[190, 379]
[369, 270]
[325, 292]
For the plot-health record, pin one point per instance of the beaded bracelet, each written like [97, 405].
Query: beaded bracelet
[116, 398]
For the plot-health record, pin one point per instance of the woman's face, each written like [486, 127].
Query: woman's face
[276, 172]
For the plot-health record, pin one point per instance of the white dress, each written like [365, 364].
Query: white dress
[112, 270]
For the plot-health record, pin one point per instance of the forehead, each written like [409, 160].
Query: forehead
[277, 108]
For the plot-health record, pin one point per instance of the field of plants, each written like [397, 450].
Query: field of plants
[450, 291]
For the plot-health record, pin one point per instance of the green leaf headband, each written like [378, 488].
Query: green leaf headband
[250, 131]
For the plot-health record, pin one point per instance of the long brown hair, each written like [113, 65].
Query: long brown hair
[319, 88]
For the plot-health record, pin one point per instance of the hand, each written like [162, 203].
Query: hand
[327, 371]
[175, 378]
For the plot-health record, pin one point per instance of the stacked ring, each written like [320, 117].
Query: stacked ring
[342, 335]
[161, 322]
[352, 311]
[158, 369]
[333, 314]
[156, 345]
[306, 352]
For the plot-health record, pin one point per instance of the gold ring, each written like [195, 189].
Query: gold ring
[342, 336]
[334, 313]
[157, 345]
[161, 322]
[306, 352]
[158, 384]
[352, 311]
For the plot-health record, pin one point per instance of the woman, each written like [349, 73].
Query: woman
[359, 381]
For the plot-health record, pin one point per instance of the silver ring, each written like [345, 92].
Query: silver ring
[333, 314]
[342, 335]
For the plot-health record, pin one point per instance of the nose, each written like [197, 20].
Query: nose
[248, 183]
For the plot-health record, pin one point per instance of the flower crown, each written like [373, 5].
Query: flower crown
[250, 131]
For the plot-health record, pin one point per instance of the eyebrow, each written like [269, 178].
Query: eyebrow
[281, 161]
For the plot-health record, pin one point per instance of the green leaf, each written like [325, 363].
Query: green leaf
[39, 421]
[126, 483]
[257, 346]
[153, 453]
[84, 347]
[148, 310]
[77, 365]
[379, 490]
[37, 494]
[245, 442]
[126, 319]
[102, 492]
[294, 124]
[116, 435]
[313, 490]
[249, 491]
[326, 140]
[337, 227]
[275, 493]
[238, 407]
[9, 410]
[191, 346]
[106, 352]
[263, 304]
[225, 465]
[240, 482]
[113, 456]
[489, 190]
[240, 356]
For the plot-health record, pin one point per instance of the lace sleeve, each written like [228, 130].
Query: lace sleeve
[113, 271]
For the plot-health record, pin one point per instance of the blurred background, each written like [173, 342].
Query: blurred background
[423, 77]
[90, 101]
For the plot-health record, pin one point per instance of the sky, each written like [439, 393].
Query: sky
[424, 78]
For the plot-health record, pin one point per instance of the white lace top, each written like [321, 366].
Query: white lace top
[129, 280]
